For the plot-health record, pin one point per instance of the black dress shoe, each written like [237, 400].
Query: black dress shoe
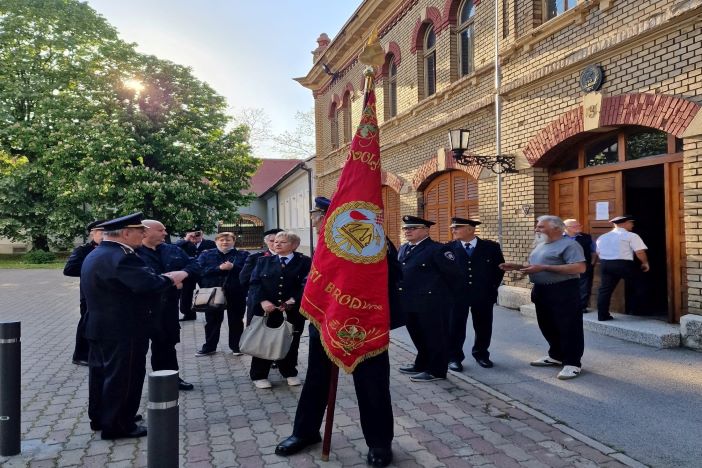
[138, 431]
[425, 377]
[455, 366]
[379, 456]
[95, 426]
[484, 362]
[186, 318]
[80, 362]
[183, 385]
[410, 370]
[604, 319]
[294, 444]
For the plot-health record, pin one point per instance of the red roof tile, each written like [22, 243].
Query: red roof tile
[269, 172]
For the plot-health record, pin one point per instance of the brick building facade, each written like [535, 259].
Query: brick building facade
[635, 144]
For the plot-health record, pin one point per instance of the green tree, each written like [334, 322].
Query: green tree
[89, 128]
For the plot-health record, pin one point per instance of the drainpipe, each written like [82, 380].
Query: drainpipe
[304, 167]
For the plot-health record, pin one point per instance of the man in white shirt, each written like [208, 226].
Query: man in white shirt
[616, 250]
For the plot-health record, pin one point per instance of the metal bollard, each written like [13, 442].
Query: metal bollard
[162, 435]
[10, 389]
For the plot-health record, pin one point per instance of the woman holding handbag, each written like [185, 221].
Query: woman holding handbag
[276, 289]
[221, 267]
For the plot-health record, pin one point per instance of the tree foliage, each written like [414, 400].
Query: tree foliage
[91, 129]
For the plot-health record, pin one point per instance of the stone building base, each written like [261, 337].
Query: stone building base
[691, 331]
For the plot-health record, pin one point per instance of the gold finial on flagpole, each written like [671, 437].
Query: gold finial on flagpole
[372, 55]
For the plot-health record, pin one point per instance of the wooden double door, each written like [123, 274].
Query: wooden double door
[653, 194]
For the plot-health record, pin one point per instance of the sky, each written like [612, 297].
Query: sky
[248, 50]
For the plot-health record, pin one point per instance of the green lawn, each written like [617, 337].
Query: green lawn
[15, 261]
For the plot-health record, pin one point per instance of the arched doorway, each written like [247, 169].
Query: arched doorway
[637, 170]
[452, 193]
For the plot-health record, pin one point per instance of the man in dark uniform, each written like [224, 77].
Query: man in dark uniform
[250, 264]
[117, 284]
[574, 231]
[193, 244]
[479, 260]
[430, 275]
[371, 379]
[165, 329]
[72, 268]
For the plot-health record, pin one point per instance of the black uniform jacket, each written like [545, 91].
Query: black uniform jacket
[249, 265]
[75, 261]
[397, 316]
[212, 275]
[480, 274]
[271, 282]
[430, 274]
[117, 283]
[164, 306]
[192, 250]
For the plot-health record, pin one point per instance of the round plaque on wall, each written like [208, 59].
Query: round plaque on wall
[591, 78]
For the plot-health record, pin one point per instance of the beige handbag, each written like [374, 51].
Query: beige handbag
[209, 300]
[262, 341]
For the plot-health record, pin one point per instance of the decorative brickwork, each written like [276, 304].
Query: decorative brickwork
[565, 126]
[667, 113]
[391, 180]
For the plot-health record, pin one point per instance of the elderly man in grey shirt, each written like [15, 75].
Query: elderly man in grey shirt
[554, 267]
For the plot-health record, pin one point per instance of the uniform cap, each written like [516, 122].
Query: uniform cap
[132, 220]
[272, 231]
[410, 221]
[621, 219]
[94, 225]
[455, 222]
[321, 204]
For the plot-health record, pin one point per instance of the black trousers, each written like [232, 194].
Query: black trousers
[80, 352]
[235, 319]
[186, 298]
[612, 272]
[482, 326]
[427, 324]
[163, 355]
[116, 379]
[371, 378]
[560, 319]
[288, 365]
[586, 287]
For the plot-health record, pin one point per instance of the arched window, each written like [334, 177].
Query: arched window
[466, 36]
[391, 218]
[334, 126]
[390, 87]
[348, 124]
[429, 62]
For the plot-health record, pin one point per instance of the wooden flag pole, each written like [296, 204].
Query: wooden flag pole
[373, 56]
[331, 404]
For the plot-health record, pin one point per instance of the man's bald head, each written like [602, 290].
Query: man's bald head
[155, 234]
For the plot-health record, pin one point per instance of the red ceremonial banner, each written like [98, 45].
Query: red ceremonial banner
[346, 296]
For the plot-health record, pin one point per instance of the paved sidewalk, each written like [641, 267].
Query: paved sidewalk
[225, 421]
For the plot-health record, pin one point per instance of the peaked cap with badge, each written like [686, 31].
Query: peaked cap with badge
[130, 221]
[415, 221]
[456, 222]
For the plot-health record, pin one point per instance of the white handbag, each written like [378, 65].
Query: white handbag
[209, 300]
[261, 341]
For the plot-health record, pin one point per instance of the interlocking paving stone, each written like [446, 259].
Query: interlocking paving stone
[225, 421]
